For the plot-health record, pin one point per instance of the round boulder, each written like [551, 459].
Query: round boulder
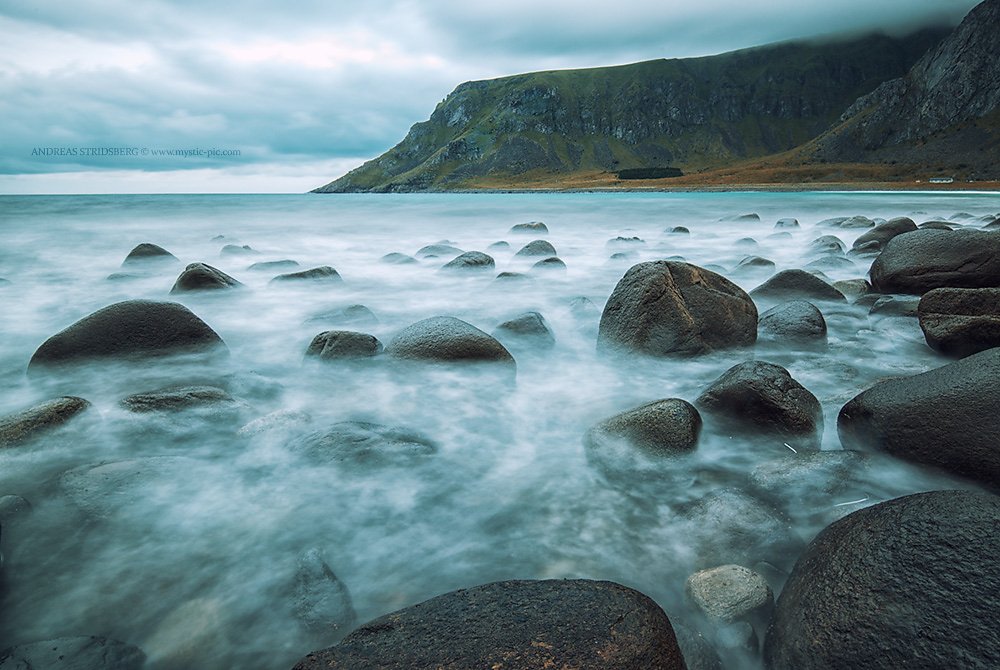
[529, 329]
[130, 328]
[202, 277]
[762, 397]
[796, 322]
[826, 244]
[447, 339]
[537, 248]
[884, 232]
[396, 258]
[547, 264]
[786, 223]
[730, 593]
[927, 259]
[536, 227]
[148, 252]
[960, 321]
[22, 427]
[179, 398]
[264, 266]
[438, 249]
[364, 443]
[946, 418]
[337, 344]
[909, 583]
[324, 273]
[668, 308]
[515, 625]
[470, 260]
[792, 284]
[662, 427]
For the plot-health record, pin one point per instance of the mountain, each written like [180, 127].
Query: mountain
[684, 113]
[942, 116]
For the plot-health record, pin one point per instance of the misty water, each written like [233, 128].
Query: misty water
[182, 532]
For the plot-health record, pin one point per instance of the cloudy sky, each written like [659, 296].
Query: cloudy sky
[92, 91]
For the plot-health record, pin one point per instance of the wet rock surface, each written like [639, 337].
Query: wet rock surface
[337, 344]
[30, 424]
[447, 339]
[203, 277]
[959, 322]
[919, 261]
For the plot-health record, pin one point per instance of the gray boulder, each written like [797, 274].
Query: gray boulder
[529, 329]
[960, 321]
[447, 339]
[396, 258]
[432, 250]
[852, 289]
[470, 260]
[763, 398]
[179, 398]
[515, 625]
[73, 653]
[794, 322]
[546, 264]
[202, 277]
[946, 418]
[537, 248]
[349, 314]
[796, 284]
[324, 273]
[339, 344]
[132, 328]
[894, 305]
[146, 252]
[24, 426]
[321, 602]
[237, 250]
[667, 308]
[266, 266]
[786, 223]
[909, 583]
[364, 443]
[730, 593]
[536, 227]
[826, 244]
[927, 259]
[679, 230]
[662, 427]
[884, 232]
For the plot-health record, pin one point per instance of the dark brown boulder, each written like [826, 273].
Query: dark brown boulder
[669, 308]
[960, 321]
[909, 583]
[515, 625]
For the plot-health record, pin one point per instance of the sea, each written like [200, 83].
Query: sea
[184, 533]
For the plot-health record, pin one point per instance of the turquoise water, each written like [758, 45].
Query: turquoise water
[189, 549]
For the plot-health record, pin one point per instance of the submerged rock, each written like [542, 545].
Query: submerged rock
[825, 245]
[73, 653]
[528, 329]
[852, 289]
[438, 250]
[892, 305]
[796, 284]
[202, 277]
[286, 264]
[537, 248]
[531, 227]
[927, 259]
[666, 308]
[553, 263]
[909, 583]
[396, 258]
[350, 314]
[762, 397]
[515, 625]
[447, 339]
[960, 321]
[364, 443]
[179, 398]
[321, 602]
[128, 329]
[24, 426]
[946, 418]
[730, 593]
[470, 260]
[786, 223]
[237, 250]
[324, 273]
[148, 252]
[338, 344]
[679, 230]
[661, 428]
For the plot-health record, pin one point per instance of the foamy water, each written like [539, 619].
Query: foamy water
[181, 533]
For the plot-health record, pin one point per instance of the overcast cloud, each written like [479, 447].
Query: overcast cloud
[305, 91]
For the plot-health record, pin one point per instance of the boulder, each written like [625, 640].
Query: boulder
[350, 314]
[73, 653]
[363, 443]
[730, 593]
[909, 583]
[536, 227]
[432, 250]
[699, 654]
[806, 475]
[752, 264]
[894, 305]
[866, 250]
[321, 602]
[668, 308]
[792, 284]
[237, 250]
[148, 252]
[202, 277]
[786, 223]
[751, 217]
[946, 418]
[830, 263]
[324, 273]
[505, 277]
[660, 428]
[22, 427]
[470, 260]
[936, 225]
[179, 398]
[763, 398]
[747, 243]
[447, 339]
[960, 321]
[529, 329]
[546, 264]
[266, 266]
[825, 245]
[515, 625]
[884, 232]
[927, 259]
[337, 344]
[624, 243]
[396, 258]
[499, 246]
[852, 289]
[537, 248]
[134, 328]
[856, 222]
[679, 230]
[793, 322]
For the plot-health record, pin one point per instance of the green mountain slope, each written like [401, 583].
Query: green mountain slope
[687, 113]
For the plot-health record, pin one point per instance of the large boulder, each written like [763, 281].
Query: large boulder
[515, 625]
[470, 260]
[447, 339]
[795, 322]
[24, 426]
[662, 427]
[796, 284]
[202, 277]
[537, 248]
[927, 259]
[909, 583]
[884, 232]
[960, 321]
[148, 252]
[669, 308]
[336, 344]
[133, 328]
[946, 418]
[762, 397]
[73, 653]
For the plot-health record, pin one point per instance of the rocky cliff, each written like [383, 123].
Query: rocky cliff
[944, 114]
[688, 113]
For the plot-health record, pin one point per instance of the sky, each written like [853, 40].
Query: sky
[147, 96]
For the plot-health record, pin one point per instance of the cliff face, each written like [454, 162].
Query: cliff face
[944, 111]
[688, 113]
